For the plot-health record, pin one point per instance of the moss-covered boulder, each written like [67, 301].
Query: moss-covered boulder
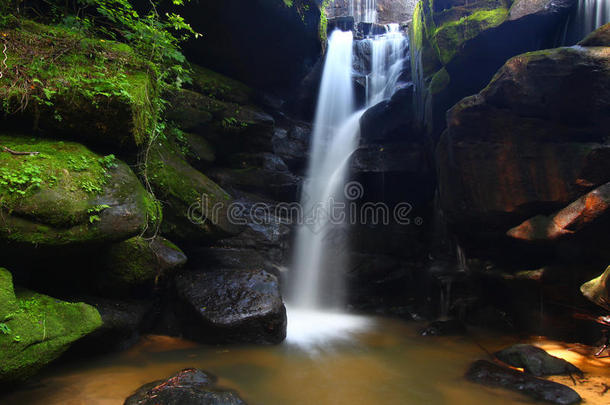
[66, 194]
[62, 83]
[194, 207]
[533, 141]
[598, 290]
[458, 45]
[36, 329]
[138, 263]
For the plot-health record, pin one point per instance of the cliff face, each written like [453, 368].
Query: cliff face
[388, 11]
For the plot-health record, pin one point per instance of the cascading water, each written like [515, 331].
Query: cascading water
[316, 291]
[588, 16]
[363, 10]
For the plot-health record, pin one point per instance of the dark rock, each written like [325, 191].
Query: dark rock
[188, 387]
[389, 120]
[231, 306]
[589, 210]
[292, 145]
[486, 373]
[535, 360]
[367, 28]
[340, 23]
[449, 327]
[598, 290]
[530, 143]
[411, 157]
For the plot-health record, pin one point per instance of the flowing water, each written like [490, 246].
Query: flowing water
[316, 276]
[588, 16]
[390, 365]
[363, 10]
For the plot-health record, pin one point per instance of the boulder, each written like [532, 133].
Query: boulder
[189, 386]
[600, 37]
[138, 263]
[387, 120]
[292, 145]
[534, 140]
[68, 195]
[231, 306]
[458, 45]
[598, 290]
[585, 212]
[449, 327]
[535, 361]
[36, 329]
[195, 208]
[108, 106]
[493, 375]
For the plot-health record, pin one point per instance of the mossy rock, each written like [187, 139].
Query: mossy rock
[195, 208]
[67, 194]
[69, 85]
[138, 263]
[36, 329]
[220, 87]
[599, 37]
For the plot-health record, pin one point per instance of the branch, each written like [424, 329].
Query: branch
[13, 152]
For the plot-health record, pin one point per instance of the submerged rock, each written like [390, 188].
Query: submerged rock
[444, 328]
[189, 386]
[536, 361]
[36, 329]
[493, 375]
[231, 306]
[598, 290]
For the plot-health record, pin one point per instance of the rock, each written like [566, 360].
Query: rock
[598, 290]
[387, 121]
[137, 263]
[195, 207]
[600, 37]
[292, 145]
[585, 212]
[535, 360]
[109, 106]
[388, 11]
[486, 373]
[344, 23]
[220, 87]
[457, 47]
[292, 27]
[231, 306]
[189, 386]
[534, 140]
[410, 157]
[198, 152]
[36, 329]
[449, 327]
[68, 195]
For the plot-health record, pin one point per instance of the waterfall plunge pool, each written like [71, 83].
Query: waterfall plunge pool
[387, 364]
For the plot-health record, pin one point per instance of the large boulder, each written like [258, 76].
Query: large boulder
[36, 329]
[67, 195]
[534, 140]
[493, 375]
[90, 90]
[598, 290]
[535, 360]
[231, 306]
[458, 45]
[189, 386]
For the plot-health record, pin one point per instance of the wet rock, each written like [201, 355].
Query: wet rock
[292, 145]
[585, 212]
[340, 23]
[536, 361]
[600, 37]
[387, 121]
[188, 387]
[231, 306]
[490, 374]
[598, 290]
[449, 327]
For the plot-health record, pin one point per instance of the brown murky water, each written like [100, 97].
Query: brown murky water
[391, 365]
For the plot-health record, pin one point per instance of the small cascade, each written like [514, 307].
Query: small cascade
[387, 60]
[364, 10]
[587, 17]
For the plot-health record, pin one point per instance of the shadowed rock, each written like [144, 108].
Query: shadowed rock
[535, 361]
[598, 290]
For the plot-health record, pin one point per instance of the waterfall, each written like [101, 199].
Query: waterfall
[588, 16]
[363, 10]
[316, 293]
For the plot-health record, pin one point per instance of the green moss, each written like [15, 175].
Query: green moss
[75, 83]
[440, 81]
[451, 35]
[41, 329]
[215, 85]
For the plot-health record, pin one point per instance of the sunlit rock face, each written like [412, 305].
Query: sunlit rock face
[388, 11]
[530, 143]
[458, 45]
[598, 290]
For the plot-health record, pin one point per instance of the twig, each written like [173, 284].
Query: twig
[4, 60]
[16, 153]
